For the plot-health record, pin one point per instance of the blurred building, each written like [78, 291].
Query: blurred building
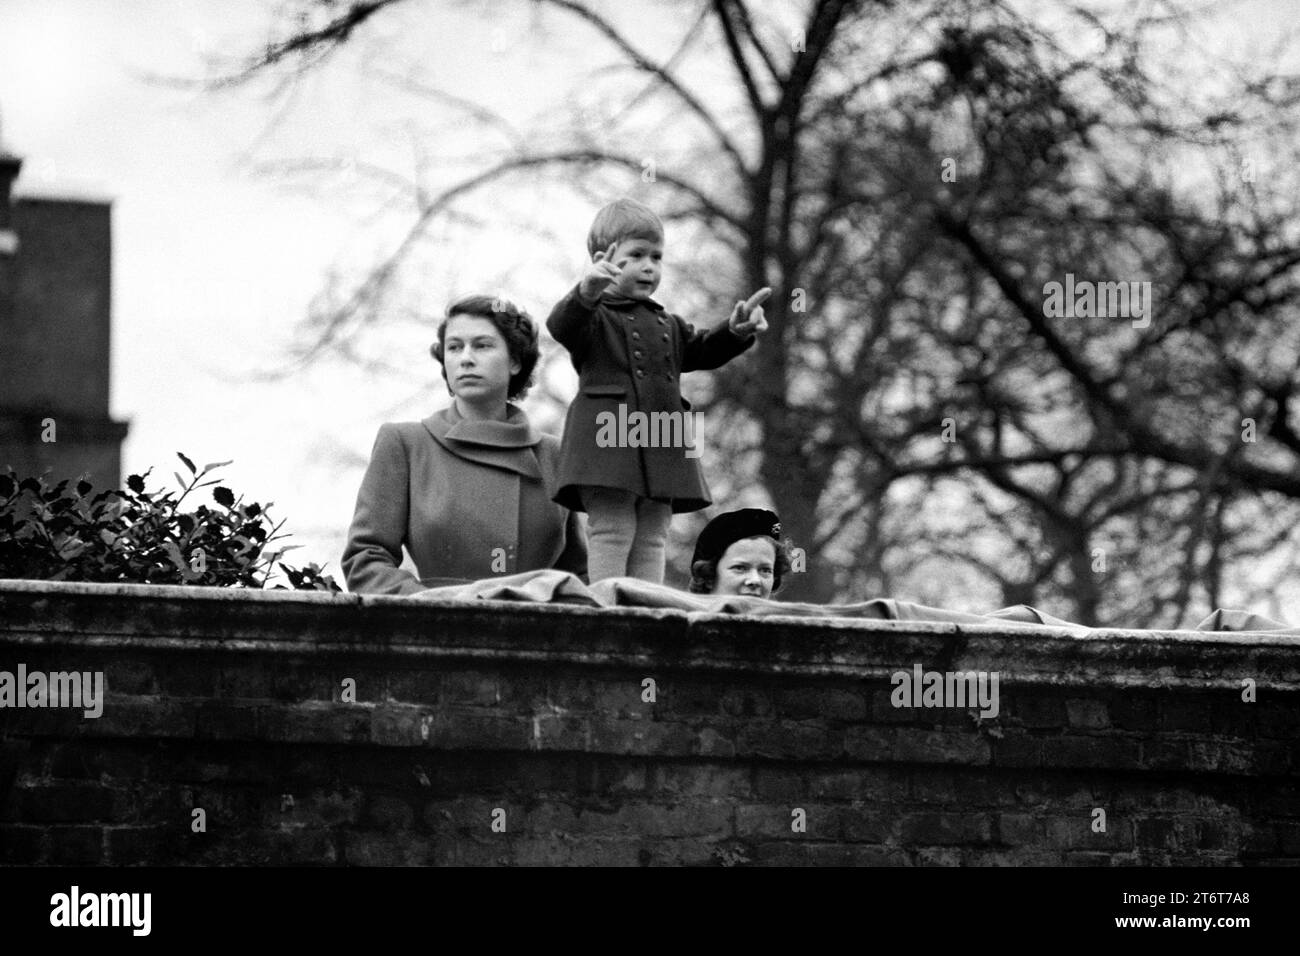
[55, 314]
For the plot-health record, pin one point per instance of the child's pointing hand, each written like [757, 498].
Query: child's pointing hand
[600, 274]
[747, 317]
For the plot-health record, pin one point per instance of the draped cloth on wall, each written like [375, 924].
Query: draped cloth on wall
[559, 587]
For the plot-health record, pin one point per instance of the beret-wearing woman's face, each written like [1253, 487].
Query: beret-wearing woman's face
[747, 567]
[476, 359]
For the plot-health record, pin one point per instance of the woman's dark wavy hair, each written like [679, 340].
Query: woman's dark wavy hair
[704, 574]
[516, 327]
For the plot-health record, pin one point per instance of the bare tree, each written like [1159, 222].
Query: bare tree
[908, 179]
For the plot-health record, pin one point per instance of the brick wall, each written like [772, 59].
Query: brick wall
[232, 703]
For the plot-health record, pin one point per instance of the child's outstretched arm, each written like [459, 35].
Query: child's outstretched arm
[708, 350]
[570, 321]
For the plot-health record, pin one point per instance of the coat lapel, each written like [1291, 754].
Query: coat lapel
[509, 445]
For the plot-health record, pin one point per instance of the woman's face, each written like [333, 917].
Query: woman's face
[476, 359]
[747, 568]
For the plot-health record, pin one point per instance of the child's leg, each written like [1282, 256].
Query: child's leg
[650, 545]
[611, 525]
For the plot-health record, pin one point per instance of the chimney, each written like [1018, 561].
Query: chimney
[9, 166]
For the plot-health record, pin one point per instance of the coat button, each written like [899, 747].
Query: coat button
[661, 320]
[665, 336]
[640, 373]
[636, 355]
[636, 335]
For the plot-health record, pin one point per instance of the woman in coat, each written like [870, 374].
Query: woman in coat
[468, 490]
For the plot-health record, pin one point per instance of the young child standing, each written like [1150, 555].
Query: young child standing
[629, 351]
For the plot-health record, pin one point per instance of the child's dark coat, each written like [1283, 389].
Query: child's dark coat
[632, 353]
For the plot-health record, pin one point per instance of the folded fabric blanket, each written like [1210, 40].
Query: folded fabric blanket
[560, 587]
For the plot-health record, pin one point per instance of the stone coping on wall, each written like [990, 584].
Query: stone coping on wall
[180, 619]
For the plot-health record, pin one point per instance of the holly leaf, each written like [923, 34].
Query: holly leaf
[188, 464]
[135, 483]
[223, 496]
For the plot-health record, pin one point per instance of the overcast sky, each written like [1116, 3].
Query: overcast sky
[214, 262]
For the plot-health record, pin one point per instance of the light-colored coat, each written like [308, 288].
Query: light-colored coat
[468, 499]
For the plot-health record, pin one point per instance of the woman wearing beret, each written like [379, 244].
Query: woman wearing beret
[740, 552]
[467, 490]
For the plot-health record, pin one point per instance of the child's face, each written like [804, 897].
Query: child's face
[747, 567]
[641, 262]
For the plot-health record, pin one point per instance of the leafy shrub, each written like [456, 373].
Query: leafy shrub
[138, 536]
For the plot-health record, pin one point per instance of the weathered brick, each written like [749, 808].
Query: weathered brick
[60, 802]
[97, 760]
[793, 853]
[944, 829]
[400, 725]
[687, 697]
[713, 743]
[1288, 836]
[912, 745]
[828, 703]
[75, 846]
[693, 852]
[1087, 714]
[866, 823]
[1075, 832]
[602, 852]
[131, 677]
[492, 850]
[152, 844]
[412, 686]
[663, 739]
[389, 813]
[649, 820]
[467, 815]
[869, 743]
[1155, 832]
[313, 722]
[805, 740]
[747, 701]
[1109, 752]
[1278, 715]
[22, 844]
[1020, 829]
[468, 687]
[186, 677]
[1260, 839]
[143, 717]
[1036, 710]
[775, 821]
[1088, 858]
[857, 784]
[938, 856]
[371, 848]
[219, 720]
[960, 786]
[693, 780]
[1132, 710]
[313, 808]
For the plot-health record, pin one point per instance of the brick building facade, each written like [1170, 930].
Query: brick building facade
[55, 328]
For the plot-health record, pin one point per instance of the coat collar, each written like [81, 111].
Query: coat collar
[624, 304]
[510, 444]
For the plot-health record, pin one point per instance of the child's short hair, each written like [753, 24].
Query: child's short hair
[623, 219]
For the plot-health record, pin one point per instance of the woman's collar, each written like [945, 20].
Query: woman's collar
[515, 432]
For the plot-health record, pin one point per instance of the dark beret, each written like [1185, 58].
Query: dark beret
[732, 526]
